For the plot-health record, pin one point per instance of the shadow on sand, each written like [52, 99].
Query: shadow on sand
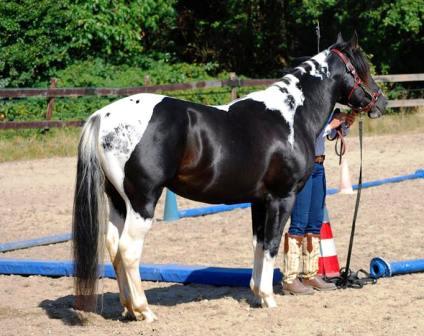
[110, 308]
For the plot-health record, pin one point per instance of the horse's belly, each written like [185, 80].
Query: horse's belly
[218, 186]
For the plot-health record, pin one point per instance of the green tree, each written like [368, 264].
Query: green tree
[391, 31]
[256, 38]
[37, 37]
[119, 30]
[33, 39]
[247, 36]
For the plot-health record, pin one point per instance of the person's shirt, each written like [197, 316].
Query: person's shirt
[320, 141]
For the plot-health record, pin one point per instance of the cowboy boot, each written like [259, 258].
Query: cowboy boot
[311, 254]
[292, 263]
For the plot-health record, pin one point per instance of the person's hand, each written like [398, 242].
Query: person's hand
[342, 117]
[338, 119]
[350, 119]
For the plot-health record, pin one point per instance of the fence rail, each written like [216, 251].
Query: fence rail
[233, 83]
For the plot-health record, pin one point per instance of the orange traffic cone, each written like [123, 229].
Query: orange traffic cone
[345, 182]
[328, 262]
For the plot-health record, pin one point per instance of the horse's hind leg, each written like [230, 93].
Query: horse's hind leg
[131, 215]
[130, 249]
[113, 232]
[141, 195]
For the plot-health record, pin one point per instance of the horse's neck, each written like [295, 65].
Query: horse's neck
[320, 99]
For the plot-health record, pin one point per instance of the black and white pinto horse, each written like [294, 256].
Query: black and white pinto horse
[257, 149]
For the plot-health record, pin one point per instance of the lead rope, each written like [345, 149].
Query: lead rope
[339, 149]
[340, 152]
[348, 278]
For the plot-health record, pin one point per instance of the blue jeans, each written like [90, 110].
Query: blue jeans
[308, 210]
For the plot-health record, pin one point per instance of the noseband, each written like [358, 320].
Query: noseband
[358, 83]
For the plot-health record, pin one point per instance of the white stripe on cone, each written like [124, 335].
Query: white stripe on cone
[328, 248]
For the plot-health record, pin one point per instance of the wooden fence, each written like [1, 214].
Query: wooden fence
[233, 83]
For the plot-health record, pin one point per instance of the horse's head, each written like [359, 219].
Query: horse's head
[359, 90]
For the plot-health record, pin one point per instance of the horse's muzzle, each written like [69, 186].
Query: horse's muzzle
[379, 108]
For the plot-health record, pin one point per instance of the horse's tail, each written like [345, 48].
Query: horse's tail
[89, 214]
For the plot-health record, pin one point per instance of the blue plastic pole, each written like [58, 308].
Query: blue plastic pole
[23, 244]
[171, 209]
[417, 175]
[382, 268]
[217, 276]
[212, 209]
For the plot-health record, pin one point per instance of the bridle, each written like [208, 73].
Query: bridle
[359, 83]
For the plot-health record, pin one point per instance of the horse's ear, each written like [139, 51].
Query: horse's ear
[339, 38]
[354, 41]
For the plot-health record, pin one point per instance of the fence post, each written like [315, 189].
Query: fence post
[51, 100]
[233, 78]
[147, 81]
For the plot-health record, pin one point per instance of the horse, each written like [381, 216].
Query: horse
[257, 149]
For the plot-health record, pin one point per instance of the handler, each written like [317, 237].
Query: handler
[302, 242]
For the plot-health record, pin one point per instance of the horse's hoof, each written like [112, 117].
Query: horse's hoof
[269, 302]
[146, 315]
[149, 316]
[128, 315]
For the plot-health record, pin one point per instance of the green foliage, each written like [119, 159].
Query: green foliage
[33, 39]
[246, 36]
[101, 74]
[117, 28]
[261, 36]
[311, 9]
[38, 37]
[256, 38]
[399, 37]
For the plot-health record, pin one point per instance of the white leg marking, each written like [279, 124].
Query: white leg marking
[130, 248]
[257, 266]
[114, 229]
[266, 291]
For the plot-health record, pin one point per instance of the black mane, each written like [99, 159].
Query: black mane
[356, 57]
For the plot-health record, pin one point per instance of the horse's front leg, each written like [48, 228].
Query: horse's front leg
[258, 226]
[277, 211]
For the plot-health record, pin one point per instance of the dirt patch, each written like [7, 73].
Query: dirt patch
[36, 201]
